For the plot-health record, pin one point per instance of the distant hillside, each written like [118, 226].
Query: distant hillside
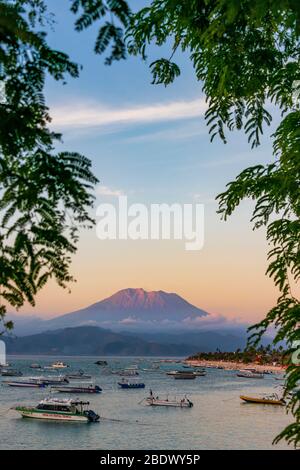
[89, 340]
[92, 340]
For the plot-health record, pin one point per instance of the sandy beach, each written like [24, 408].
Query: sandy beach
[231, 365]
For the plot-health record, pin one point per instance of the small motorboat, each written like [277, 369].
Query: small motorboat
[35, 366]
[199, 373]
[273, 399]
[101, 363]
[11, 373]
[78, 376]
[60, 410]
[250, 374]
[58, 365]
[78, 389]
[174, 403]
[131, 384]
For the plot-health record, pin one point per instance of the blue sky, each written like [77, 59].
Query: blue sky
[151, 143]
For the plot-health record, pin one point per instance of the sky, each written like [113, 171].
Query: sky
[151, 144]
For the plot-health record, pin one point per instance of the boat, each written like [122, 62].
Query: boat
[35, 366]
[273, 399]
[25, 384]
[250, 374]
[78, 389]
[129, 384]
[182, 375]
[11, 373]
[78, 375]
[199, 373]
[129, 372]
[60, 410]
[55, 380]
[174, 403]
[101, 363]
[58, 365]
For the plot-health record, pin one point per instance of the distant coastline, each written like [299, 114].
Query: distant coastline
[236, 365]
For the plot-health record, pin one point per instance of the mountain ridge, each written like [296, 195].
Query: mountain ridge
[131, 306]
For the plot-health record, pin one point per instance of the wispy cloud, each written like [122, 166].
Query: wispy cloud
[106, 191]
[91, 115]
[182, 132]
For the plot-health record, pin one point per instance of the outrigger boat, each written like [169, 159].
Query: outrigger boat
[131, 384]
[60, 410]
[78, 389]
[183, 403]
[265, 400]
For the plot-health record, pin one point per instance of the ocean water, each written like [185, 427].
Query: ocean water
[218, 420]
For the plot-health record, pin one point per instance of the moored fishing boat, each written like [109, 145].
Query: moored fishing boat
[173, 403]
[273, 399]
[78, 389]
[59, 410]
[250, 374]
[131, 384]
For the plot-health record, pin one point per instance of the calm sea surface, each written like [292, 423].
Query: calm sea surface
[218, 419]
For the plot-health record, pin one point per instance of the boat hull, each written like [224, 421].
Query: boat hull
[76, 390]
[25, 385]
[184, 377]
[262, 401]
[170, 404]
[131, 386]
[51, 416]
[248, 376]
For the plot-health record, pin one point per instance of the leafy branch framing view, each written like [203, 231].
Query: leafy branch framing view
[246, 56]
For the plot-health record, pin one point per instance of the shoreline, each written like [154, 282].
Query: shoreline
[232, 365]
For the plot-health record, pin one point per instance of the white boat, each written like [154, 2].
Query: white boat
[250, 374]
[59, 410]
[58, 365]
[173, 403]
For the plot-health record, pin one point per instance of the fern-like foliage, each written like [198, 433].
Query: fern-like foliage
[45, 197]
[275, 188]
[113, 16]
